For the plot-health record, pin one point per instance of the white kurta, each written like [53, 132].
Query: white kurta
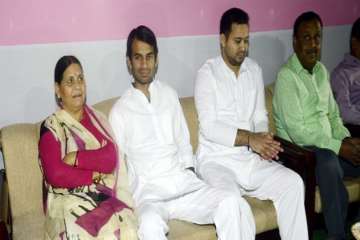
[225, 103]
[155, 139]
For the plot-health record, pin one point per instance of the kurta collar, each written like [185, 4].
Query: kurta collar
[297, 66]
[243, 68]
[351, 60]
[151, 89]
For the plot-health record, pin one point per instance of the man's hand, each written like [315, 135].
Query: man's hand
[264, 144]
[350, 150]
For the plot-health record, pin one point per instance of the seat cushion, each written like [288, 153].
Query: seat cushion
[352, 186]
[265, 219]
[264, 213]
[180, 230]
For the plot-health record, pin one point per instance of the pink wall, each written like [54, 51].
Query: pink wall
[48, 21]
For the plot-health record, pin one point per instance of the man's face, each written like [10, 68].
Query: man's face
[355, 43]
[307, 43]
[142, 62]
[235, 47]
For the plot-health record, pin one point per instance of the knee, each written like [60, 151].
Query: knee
[233, 201]
[327, 162]
[151, 226]
[295, 182]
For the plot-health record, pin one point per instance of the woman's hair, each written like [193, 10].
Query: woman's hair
[62, 64]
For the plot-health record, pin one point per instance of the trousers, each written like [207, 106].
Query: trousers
[205, 206]
[264, 180]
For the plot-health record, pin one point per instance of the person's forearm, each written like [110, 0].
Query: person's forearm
[242, 138]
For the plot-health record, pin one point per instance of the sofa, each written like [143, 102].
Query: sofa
[25, 218]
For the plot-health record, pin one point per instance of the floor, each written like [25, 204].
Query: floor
[320, 234]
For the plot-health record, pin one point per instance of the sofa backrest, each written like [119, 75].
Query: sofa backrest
[20, 148]
[24, 178]
[190, 113]
[269, 91]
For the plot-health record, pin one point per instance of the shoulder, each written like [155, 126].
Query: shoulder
[43, 129]
[252, 65]
[339, 69]
[50, 128]
[209, 72]
[166, 89]
[122, 102]
[322, 68]
[287, 73]
[210, 66]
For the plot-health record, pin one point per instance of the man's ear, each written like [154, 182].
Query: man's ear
[354, 42]
[294, 42]
[128, 63]
[157, 61]
[156, 64]
[222, 40]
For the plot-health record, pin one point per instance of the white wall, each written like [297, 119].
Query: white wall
[27, 93]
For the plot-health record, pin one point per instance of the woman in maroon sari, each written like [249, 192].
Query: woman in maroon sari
[80, 162]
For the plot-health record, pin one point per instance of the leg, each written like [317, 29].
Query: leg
[152, 221]
[350, 170]
[334, 196]
[286, 189]
[232, 216]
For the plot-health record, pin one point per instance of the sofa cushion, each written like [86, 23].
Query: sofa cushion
[23, 174]
[190, 113]
[352, 186]
[265, 219]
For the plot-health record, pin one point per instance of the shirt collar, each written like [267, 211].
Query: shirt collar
[297, 66]
[243, 67]
[351, 60]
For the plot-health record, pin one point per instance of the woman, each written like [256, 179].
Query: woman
[79, 161]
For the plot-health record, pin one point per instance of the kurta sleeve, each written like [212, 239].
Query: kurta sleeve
[100, 160]
[260, 114]
[340, 84]
[56, 172]
[338, 129]
[289, 111]
[205, 101]
[182, 137]
[118, 125]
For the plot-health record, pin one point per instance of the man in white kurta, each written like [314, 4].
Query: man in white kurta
[152, 134]
[233, 137]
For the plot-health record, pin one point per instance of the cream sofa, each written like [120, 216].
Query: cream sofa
[24, 181]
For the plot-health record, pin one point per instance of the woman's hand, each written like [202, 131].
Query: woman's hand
[70, 158]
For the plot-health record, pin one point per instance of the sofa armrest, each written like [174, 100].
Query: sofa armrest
[303, 162]
[23, 174]
[0, 140]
